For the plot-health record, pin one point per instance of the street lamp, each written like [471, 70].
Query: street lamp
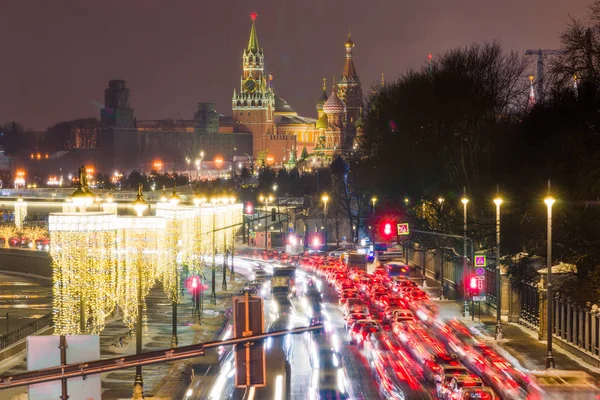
[213, 293]
[464, 201]
[325, 199]
[499, 335]
[549, 358]
[139, 204]
[441, 201]
[373, 201]
[266, 200]
[174, 199]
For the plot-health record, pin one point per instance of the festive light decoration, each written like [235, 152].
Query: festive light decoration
[138, 246]
[97, 257]
[83, 270]
[20, 212]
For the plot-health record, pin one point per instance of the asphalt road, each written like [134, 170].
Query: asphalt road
[292, 371]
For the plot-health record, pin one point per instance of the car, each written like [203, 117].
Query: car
[352, 318]
[352, 303]
[348, 295]
[365, 331]
[441, 365]
[328, 377]
[452, 385]
[354, 331]
[390, 313]
[477, 393]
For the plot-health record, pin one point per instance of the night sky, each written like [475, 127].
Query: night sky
[58, 56]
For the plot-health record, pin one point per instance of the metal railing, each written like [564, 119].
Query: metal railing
[572, 323]
[577, 325]
[12, 337]
[530, 307]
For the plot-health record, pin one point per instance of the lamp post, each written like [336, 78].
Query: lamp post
[373, 202]
[441, 201]
[499, 335]
[213, 293]
[266, 200]
[174, 201]
[464, 201]
[325, 199]
[549, 358]
[139, 205]
[199, 165]
[232, 276]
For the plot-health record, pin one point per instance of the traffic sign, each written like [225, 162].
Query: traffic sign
[480, 261]
[479, 298]
[291, 225]
[291, 230]
[252, 235]
[403, 229]
[480, 272]
[480, 278]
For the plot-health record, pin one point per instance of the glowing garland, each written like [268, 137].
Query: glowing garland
[20, 213]
[95, 257]
[83, 270]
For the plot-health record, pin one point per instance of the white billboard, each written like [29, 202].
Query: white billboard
[44, 352]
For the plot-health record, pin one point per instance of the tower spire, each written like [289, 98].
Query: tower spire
[349, 69]
[324, 84]
[253, 41]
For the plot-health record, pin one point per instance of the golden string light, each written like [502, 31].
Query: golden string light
[96, 256]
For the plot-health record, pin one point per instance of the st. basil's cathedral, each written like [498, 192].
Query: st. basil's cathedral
[279, 134]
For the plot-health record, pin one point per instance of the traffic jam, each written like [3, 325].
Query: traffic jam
[411, 352]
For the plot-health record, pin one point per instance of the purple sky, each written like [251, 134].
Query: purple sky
[58, 56]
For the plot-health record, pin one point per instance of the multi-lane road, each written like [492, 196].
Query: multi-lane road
[298, 366]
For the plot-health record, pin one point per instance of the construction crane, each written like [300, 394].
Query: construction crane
[541, 53]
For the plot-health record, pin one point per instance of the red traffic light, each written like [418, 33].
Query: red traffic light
[249, 209]
[194, 283]
[473, 283]
[386, 230]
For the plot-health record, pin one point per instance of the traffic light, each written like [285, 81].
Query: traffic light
[473, 284]
[387, 230]
[273, 214]
[249, 208]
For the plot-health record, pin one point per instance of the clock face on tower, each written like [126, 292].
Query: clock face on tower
[250, 84]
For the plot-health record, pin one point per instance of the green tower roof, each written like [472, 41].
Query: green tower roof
[253, 41]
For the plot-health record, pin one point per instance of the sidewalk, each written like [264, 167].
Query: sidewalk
[161, 381]
[520, 344]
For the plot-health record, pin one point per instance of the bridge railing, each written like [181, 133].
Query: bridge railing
[14, 336]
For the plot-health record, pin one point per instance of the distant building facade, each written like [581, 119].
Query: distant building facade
[132, 144]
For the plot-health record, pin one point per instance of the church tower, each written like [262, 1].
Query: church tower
[254, 104]
[350, 91]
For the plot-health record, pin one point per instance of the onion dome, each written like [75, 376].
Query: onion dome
[334, 105]
[322, 122]
[349, 42]
[321, 101]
